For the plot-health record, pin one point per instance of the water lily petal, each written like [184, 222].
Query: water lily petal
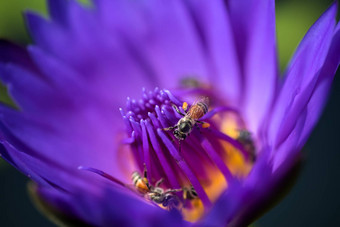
[301, 77]
[321, 91]
[171, 43]
[100, 209]
[64, 145]
[238, 200]
[10, 52]
[35, 166]
[70, 84]
[57, 10]
[283, 156]
[254, 29]
[106, 61]
[214, 27]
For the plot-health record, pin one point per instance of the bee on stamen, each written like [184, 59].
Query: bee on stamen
[245, 138]
[190, 119]
[166, 198]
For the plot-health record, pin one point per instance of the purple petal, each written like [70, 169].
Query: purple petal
[102, 174]
[234, 203]
[26, 97]
[42, 170]
[169, 42]
[318, 100]
[225, 207]
[87, 63]
[111, 206]
[93, 108]
[106, 59]
[254, 29]
[58, 11]
[289, 149]
[64, 145]
[63, 74]
[301, 77]
[46, 34]
[213, 24]
[12, 53]
[185, 167]
[161, 156]
[79, 194]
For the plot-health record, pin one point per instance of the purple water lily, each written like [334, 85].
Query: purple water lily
[102, 89]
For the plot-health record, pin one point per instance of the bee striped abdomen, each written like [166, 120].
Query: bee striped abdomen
[191, 117]
[198, 110]
[203, 106]
[139, 183]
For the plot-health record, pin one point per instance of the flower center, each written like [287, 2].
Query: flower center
[192, 168]
[178, 162]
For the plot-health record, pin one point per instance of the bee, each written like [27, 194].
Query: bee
[246, 140]
[190, 82]
[190, 119]
[166, 198]
[141, 183]
[189, 193]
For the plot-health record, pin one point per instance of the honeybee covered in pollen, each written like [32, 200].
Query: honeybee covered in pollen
[166, 198]
[185, 125]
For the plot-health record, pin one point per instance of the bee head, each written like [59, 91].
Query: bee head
[157, 195]
[179, 135]
[184, 126]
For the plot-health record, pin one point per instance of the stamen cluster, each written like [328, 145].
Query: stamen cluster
[192, 164]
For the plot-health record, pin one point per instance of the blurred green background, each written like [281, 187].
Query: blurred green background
[313, 201]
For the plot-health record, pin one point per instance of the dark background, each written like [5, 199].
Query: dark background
[314, 199]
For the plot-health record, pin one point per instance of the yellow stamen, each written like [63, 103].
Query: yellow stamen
[205, 125]
[236, 162]
[195, 212]
[213, 188]
[233, 158]
[217, 186]
[230, 126]
[185, 106]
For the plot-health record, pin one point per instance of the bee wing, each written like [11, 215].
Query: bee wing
[196, 110]
[202, 99]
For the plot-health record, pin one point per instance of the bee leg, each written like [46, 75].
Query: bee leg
[177, 110]
[159, 182]
[170, 128]
[146, 177]
[185, 191]
[198, 128]
[179, 146]
[173, 190]
[204, 124]
[192, 192]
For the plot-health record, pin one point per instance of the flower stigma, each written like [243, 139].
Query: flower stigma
[186, 174]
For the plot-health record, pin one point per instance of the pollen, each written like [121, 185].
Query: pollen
[185, 106]
[205, 125]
